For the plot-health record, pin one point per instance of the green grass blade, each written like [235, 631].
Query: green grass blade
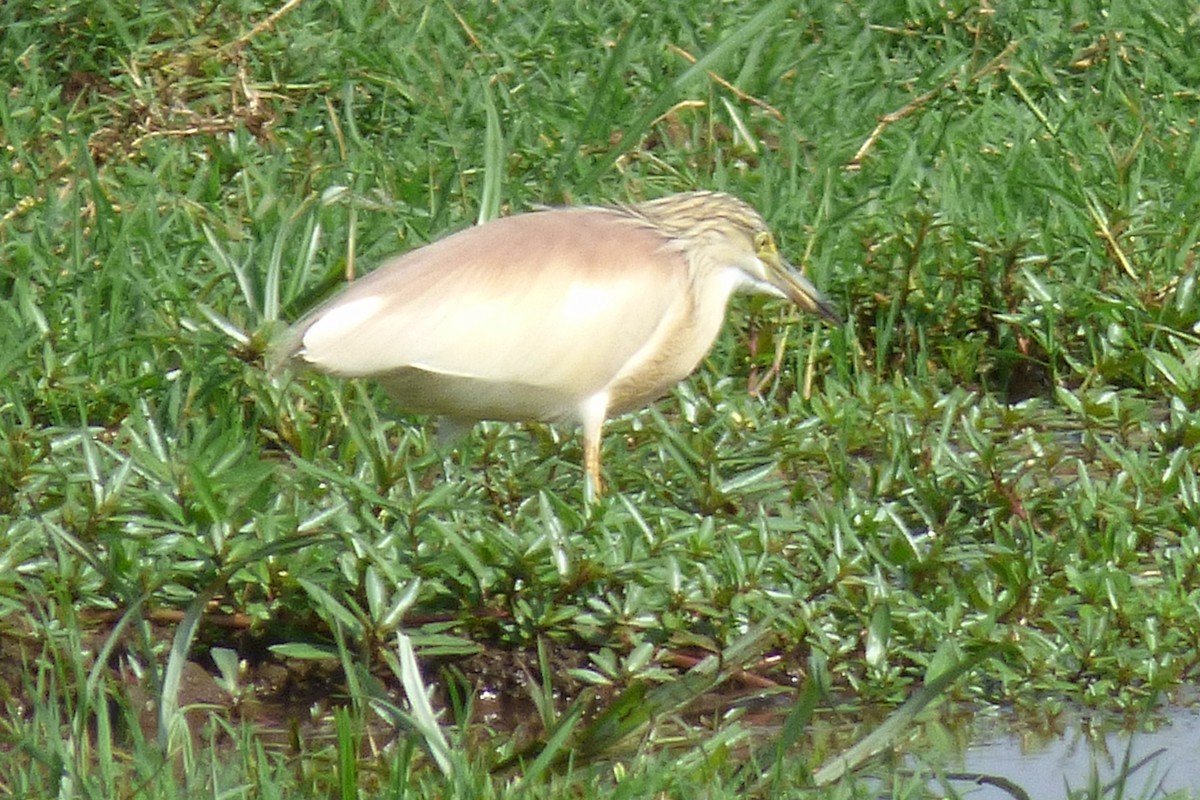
[899, 723]
[422, 711]
[631, 134]
[493, 160]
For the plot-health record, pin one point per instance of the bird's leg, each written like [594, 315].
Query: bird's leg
[593, 485]
[592, 414]
[453, 435]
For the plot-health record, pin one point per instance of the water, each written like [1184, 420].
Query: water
[1046, 766]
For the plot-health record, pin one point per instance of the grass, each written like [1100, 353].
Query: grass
[996, 455]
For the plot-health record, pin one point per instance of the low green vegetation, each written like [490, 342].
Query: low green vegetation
[985, 482]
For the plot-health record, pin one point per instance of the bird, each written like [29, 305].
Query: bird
[569, 314]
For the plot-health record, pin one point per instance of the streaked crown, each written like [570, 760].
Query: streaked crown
[695, 214]
[702, 220]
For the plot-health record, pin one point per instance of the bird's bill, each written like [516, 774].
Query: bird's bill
[797, 288]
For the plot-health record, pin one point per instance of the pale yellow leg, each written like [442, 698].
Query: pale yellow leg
[594, 486]
[592, 413]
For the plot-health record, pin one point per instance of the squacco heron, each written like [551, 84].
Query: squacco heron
[560, 315]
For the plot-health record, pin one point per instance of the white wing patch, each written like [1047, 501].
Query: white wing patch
[587, 300]
[331, 328]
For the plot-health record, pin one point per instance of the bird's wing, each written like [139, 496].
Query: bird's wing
[554, 298]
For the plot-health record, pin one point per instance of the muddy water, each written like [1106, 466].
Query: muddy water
[1048, 765]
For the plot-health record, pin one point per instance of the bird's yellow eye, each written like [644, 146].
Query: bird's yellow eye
[764, 244]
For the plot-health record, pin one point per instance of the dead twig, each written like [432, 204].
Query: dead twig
[268, 23]
[917, 103]
[764, 105]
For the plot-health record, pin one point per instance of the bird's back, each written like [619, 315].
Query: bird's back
[520, 318]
